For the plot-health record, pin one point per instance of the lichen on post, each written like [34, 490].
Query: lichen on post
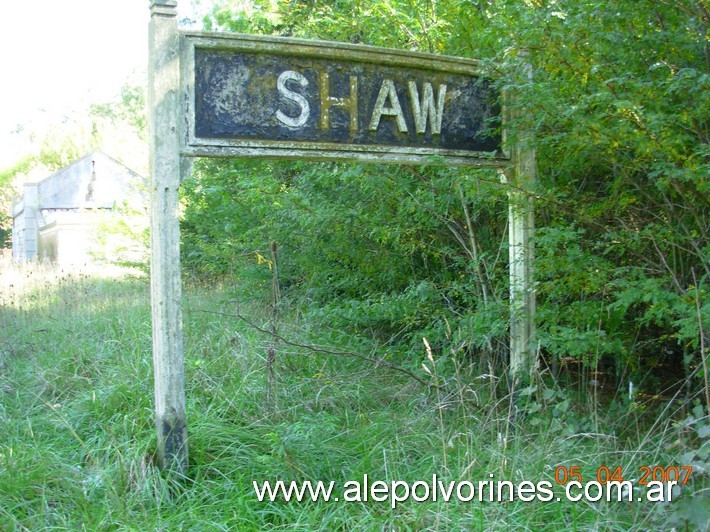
[521, 226]
[168, 363]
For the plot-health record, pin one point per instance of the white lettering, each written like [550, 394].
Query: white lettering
[660, 491]
[299, 99]
[387, 90]
[426, 108]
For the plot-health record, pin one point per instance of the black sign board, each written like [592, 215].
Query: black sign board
[259, 96]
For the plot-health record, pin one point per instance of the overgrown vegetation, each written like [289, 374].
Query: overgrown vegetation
[78, 437]
[310, 289]
[389, 255]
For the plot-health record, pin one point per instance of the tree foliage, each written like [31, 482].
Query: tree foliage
[622, 123]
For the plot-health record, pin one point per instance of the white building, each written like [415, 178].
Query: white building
[62, 217]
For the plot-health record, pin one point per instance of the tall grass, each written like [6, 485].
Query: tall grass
[77, 439]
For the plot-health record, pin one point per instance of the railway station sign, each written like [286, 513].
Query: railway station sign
[239, 96]
[280, 97]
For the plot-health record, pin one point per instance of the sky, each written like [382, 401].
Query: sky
[59, 56]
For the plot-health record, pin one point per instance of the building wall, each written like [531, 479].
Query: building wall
[65, 244]
[18, 232]
[55, 218]
[25, 222]
[94, 181]
[47, 247]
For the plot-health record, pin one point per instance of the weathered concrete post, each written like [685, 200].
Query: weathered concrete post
[521, 227]
[168, 365]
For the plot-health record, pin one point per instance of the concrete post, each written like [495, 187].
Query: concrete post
[521, 227]
[168, 363]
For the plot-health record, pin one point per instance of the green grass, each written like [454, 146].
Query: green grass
[77, 439]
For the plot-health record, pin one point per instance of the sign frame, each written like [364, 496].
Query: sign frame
[193, 145]
[172, 147]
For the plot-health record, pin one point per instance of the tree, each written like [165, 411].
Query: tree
[622, 118]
